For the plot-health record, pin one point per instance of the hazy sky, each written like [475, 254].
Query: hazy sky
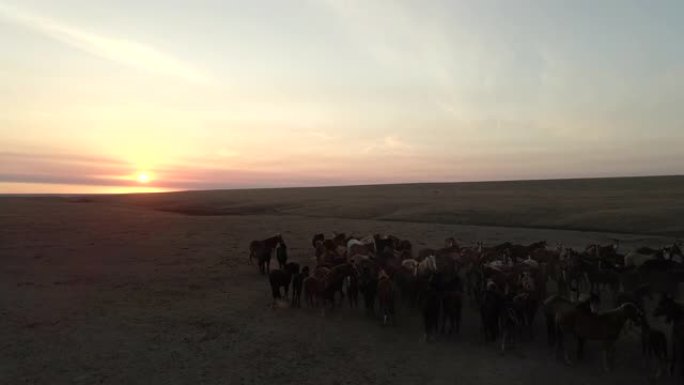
[211, 94]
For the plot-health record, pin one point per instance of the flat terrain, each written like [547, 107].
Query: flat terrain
[133, 290]
[646, 205]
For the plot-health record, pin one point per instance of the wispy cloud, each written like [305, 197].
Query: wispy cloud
[389, 145]
[127, 52]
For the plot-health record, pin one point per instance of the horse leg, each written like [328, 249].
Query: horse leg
[458, 321]
[550, 330]
[562, 349]
[580, 348]
[674, 356]
[608, 353]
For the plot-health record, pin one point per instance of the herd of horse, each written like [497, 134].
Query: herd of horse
[507, 283]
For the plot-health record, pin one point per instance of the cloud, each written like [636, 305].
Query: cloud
[389, 145]
[123, 51]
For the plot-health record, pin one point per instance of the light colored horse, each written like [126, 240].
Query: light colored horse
[499, 265]
[635, 258]
[531, 263]
[410, 265]
[360, 246]
[427, 266]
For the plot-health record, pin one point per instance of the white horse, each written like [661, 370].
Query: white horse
[410, 265]
[427, 266]
[360, 246]
[635, 258]
[499, 265]
[531, 263]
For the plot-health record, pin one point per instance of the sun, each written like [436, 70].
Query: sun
[143, 177]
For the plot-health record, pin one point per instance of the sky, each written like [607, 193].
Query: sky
[130, 96]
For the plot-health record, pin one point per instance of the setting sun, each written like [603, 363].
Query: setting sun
[143, 177]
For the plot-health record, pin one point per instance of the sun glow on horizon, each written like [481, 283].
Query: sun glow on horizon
[144, 177]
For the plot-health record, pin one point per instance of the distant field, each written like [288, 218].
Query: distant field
[644, 205]
[129, 290]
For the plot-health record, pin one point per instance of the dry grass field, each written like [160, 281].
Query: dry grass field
[157, 289]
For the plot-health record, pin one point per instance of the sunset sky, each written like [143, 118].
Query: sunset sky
[121, 96]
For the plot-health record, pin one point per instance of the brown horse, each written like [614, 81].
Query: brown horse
[555, 306]
[312, 288]
[605, 327]
[386, 298]
[262, 251]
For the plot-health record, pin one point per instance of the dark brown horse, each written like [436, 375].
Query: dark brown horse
[262, 251]
[605, 327]
[317, 240]
[281, 278]
[674, 314]
[297, 284]
[452, 304]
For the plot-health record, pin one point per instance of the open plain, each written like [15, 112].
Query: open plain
[157, 289]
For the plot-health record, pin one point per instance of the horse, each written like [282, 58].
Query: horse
[427, 266]
[352, 290]
[410, 265]
[605, 327]
[662, 275]
[281, 278]
[386, 298]
[519, 252]
[474, 281]
[452, 304]
[674, 314]
[490, 311]
[317, 240]
[281, 255]
[554, 306]
[368, 285]
[382, 242]
[654, 345]
[340, 240]
[365, 246]
[431, 307]
[635, 296]
[334, 281]
[600, 274]
[262, 250]
[509, 319]
[297, 284]
[638, 257]
[312, 290]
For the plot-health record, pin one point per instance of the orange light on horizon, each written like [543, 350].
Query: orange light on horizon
[144, 177]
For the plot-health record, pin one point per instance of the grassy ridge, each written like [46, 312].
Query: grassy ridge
[644, 205]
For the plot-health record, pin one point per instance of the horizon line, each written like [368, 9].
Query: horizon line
[2, 195]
